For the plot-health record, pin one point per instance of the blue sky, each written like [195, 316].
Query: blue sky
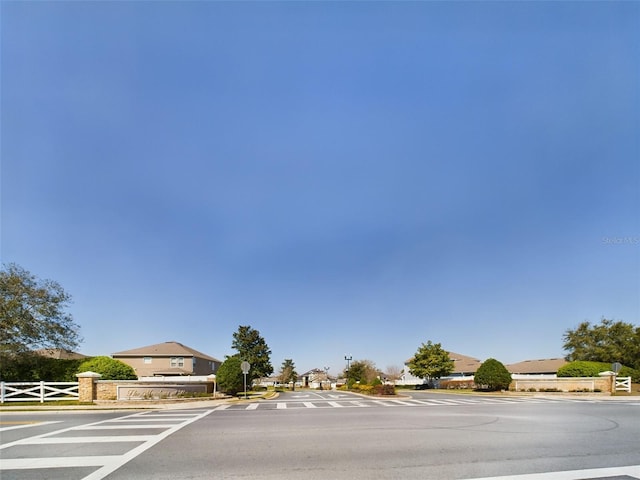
[349, 178]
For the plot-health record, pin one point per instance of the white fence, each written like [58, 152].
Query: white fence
[623, 384]
[38, 391]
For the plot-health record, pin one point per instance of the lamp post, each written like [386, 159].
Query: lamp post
[348, 358]
[326, 375]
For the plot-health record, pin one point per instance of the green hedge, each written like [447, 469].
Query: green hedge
[593, 369]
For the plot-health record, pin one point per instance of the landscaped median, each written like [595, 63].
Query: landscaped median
[255, 395]
[377, 390]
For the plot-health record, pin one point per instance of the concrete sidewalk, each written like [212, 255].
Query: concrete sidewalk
[123, 405]
[105, 405]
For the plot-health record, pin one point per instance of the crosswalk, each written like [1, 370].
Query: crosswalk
[368, 403]
[127, 437]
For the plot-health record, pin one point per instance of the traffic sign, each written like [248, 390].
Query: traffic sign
[245, 366]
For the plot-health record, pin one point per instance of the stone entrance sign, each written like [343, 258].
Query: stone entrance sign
[148, 392]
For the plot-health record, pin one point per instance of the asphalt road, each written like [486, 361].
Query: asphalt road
[332, 435]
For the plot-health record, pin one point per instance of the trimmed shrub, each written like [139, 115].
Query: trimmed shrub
[492, 375]
[229, 376]
[592, 369]
[384, 389]
[630, 372]
[109, 368]
[583, 369]
[359, 387]
[457, 384]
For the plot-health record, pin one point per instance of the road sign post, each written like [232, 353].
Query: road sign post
[245, 366]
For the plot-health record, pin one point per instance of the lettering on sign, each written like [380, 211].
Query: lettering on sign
[158, 392]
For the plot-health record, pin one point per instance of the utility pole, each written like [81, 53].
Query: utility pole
[348, 358]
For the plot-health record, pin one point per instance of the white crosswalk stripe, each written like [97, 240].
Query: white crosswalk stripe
[392, 402]
[104, 464]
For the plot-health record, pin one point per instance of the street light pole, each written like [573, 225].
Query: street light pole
[326, 375]
[348, 358]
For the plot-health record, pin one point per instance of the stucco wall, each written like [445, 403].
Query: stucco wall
[190, 365]
[109, 389]
[569, 384]
[126, 390]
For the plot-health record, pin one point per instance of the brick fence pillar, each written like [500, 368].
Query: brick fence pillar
[87, 386]
[612, 381]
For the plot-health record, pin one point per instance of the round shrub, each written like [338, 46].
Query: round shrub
[630, 372]
[230, 377]
[492, 375]
[109, 368]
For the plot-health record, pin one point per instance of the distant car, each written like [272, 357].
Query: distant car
[423, 386]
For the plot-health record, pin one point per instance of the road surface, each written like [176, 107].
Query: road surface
[332, 435]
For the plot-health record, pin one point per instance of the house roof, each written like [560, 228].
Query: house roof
[60, 354]
[171, 373]
[547, 365]
[462, 363]
[166, 349]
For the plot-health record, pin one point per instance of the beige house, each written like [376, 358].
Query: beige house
[168, 359]
[315, 378]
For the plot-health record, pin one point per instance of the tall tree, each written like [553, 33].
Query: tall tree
[252, 348]
[288, 372]
[431, 362]
[33, 314]
[607, 341]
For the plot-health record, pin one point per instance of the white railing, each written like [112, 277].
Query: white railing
[623, 384]
[38, 391]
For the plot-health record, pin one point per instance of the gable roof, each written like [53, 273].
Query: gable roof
[166, 349]
[461, 363]
[547, 365]
[60, 354]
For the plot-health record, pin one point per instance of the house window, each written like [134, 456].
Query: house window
[177, 362]
[146, 360]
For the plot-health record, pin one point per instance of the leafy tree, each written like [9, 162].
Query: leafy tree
[229, 376]
[252, 348]
[363, 371]
[492, 375]
[109, 368]
[607, 342]
[33, 314]
[32, 367]
[288, 372]
[431, 362]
